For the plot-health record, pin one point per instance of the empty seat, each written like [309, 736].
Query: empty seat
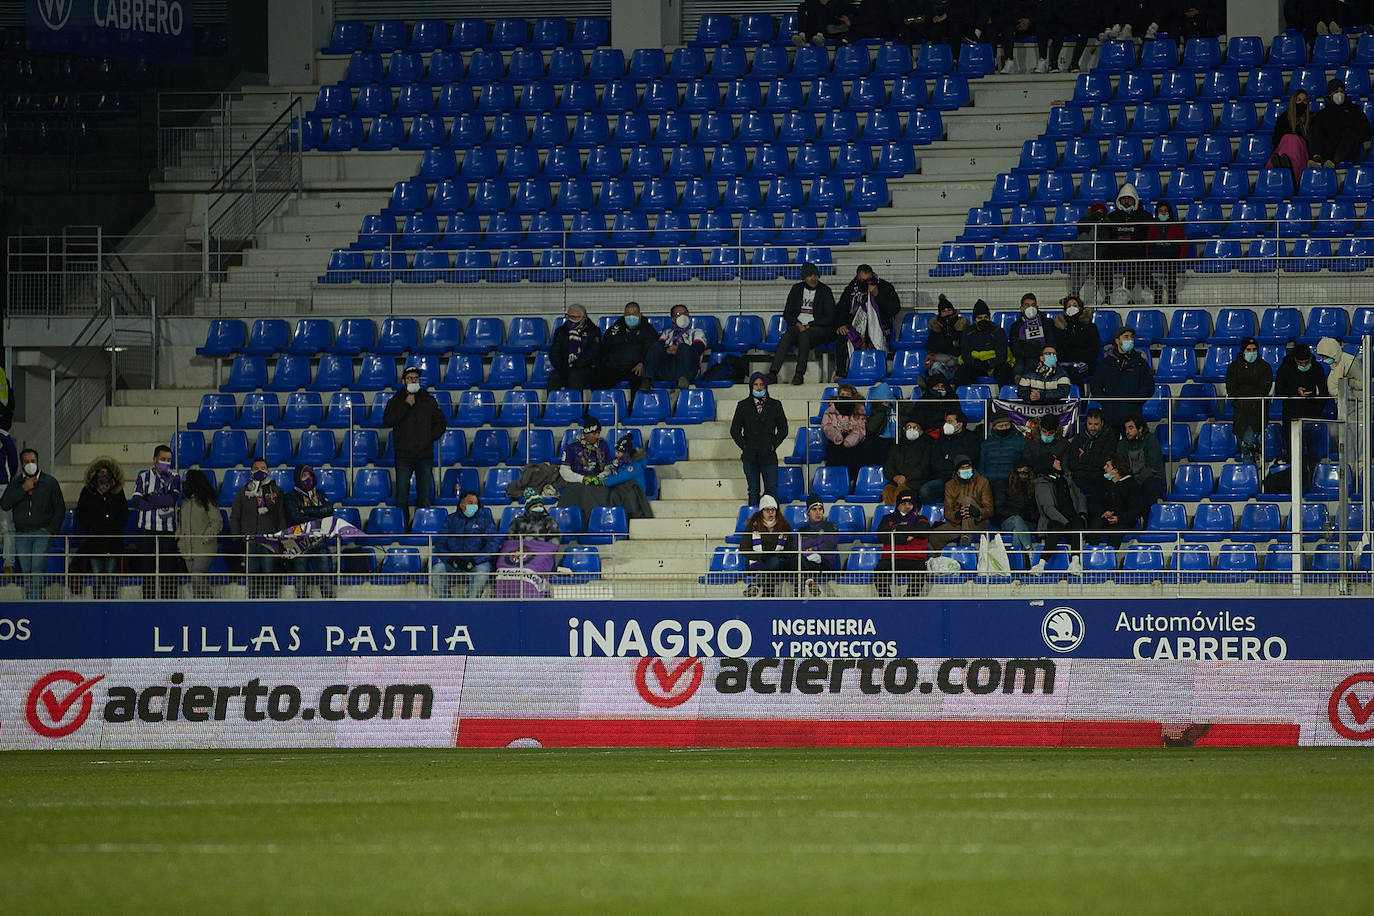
[224, 337]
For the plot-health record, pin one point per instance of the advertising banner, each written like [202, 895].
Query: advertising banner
[682, 702]
[154, 30]
[1212, 629]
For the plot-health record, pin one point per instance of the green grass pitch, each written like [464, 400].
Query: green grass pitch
[542, 831]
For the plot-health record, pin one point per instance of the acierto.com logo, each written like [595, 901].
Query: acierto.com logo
[59, 703]
[55, 13]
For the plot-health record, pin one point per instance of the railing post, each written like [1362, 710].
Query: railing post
[153, 340]
[1295, 499]
[52, 413]
[253, 196]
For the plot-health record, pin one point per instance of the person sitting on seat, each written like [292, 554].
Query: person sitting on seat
[1046, 382]
[818, 20]
[1340, 130]
[304, 504]
[945, 341]
[1144, 457]
[586, 461]
[768, 547]
[1291, 136]
[907, 465]
[956, 438]
[844, 425]
[807, 318]
[624, 479]
[904, 542]
[1076, 340]
[574, 351]
[1063, 514]
[1120, 505]
[866, 315]
[677, 352]
[624, 348]
[818, 542]
[466, 549]
[1029, 334]
[983, 350]
[968, 505]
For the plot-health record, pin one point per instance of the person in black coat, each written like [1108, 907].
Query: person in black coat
[1076, 339]
[1249, 380]
[807, 320]
[101, 512]
[983, 349]
[1124, 380]
[1340, 130]
[865, 317]
[758, 428]
[945, 341]
[623, 349]
[818, 20]
[1119, 505]
[1128, 230]
[574, 351]
[956, 438]
[1301, 382]
[416, 422]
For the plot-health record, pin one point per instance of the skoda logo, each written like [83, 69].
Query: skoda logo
[1062, 629]
[55, 13]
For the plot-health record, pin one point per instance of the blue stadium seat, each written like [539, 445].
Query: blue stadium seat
[1215, 363]
[1176, 86]
[1211, 522]
[490, 446]
[667, 444]
[246, 373]
[1191, 482]
[360, 447]
[1325, 321]
[347, 36]
[508, 370]
[1115, 57]
[1163, 521]
[1140, 562]
[228, 449]
[1237, 482]
[268, 336]
[1259, 521]
[188, 448]
[216, 410]
[260, 410]
[224, 337]
[950, 93]
[289, 373]
[1215, 442]
[830, 483]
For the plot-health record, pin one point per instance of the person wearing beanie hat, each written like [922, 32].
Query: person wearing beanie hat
[416, 422]
[1340, 130]
[907, 464]
[903, 542]
[585, 463]
[1301, 382]
[945, 339]
[818, 541]
[758, 427]
[1129, 227]
[968, 505]
[1249, 379]
[1124, 380]
[1031, 331]
[865, 317]
[807, 319]
[535, 521]
[1089, 273]
[1000, 452]
[983, 350]
[308, 503]
[624, 479]
[768, 546]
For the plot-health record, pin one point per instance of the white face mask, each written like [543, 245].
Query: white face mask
[413, 387]
[683, 321]
[1072, 310]
[1338, 98]
[948, 429]
[912, 435]
[31, 469]
[1031, 311]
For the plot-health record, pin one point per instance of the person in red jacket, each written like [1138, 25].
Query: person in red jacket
[1166, 247]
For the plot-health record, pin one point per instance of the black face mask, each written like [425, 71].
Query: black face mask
[984, 324]
[1001, 433]
[1301, 108]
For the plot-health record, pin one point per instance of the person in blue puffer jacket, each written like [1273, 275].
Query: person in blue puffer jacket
[467, 548]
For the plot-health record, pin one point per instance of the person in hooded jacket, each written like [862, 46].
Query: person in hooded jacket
[903, 544]
[880, 430]
[956, 438]
[1088, 255]
[758, 427]
[1128, 229]
[1249, 380]
[1124, 380]
[304, 504]
[983, 350]
[467, 548]
[907, 465]
[768, 546]
[573, 351]
[1119, 505]
[1166, 247]
[844, 425]
[101, 512]
[624, 347]
[1340, 130]
[930, 408]
[807, 318]
[1001, 451]
[1030, 333]
[1014, 508]
[1076, 340]
[416, 422]
[944, 343]
[1341, 365]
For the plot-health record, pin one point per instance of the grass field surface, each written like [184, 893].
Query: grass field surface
[537, 831]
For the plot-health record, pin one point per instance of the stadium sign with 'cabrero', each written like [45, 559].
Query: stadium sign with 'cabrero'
[1255, 630]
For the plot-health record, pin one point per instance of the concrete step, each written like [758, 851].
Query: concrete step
[684, 528]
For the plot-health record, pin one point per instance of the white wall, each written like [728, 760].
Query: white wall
[296, 29]
[1254, 17]
[645, 24]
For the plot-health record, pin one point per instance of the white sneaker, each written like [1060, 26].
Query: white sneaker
[1152, 31]
[1075, 567]
[1043, 66]
[1322, 29]
[1114, 32]
[1126, 32]
[1333, 28]
[799, 39]
[812, 588]
[1009, 67]
[1038, 568]
[818, 40]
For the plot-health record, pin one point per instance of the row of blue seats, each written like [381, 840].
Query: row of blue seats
[1204, 219]
[1243, 52]
[1228, 184]
[1139, 564]
[1264, 255]
[1081, 154]
[590, 130]
[607, 66]
[1261, 84]
[232, 448]
[554, 265]
[351, 35]
[482, 136]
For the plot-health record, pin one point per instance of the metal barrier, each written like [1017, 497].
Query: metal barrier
[78, 271]
[195, 132]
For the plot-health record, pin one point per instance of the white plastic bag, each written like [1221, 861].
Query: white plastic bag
[992, 556]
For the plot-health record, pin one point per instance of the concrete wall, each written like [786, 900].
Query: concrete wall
[296, 29]
[645, 24]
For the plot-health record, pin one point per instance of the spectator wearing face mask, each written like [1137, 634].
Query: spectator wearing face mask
[866, 315]
[9, 467]
[904, 545]
[573, 351]
[416, 422]
[259, 508]
[586, 462]
[983, 350]
[1063, 514]
[306, 503]
[1015, 510]
[907, 465]
[758, 427]
[968, 505]
[880, 429]
[844, 425]
[1166, 248]
[1001, 452]
[466, 550]
[624, 479]
[1029, 334]
[1076, 340]
[624, 348]
[945, 341]
[198, 528]
[1124, 380]
[1340, 130]
[818, 543]
[1301, 382]
[956, 438]
[1090, 273]
[1046, 445]
[1046, 382]
[677, 352]
[1291, 136]
[1119, 505]
[930, 408]
[157, 490]
[767, 546]
[1127, 227]
[34, 499]
[101, 512]
[1249, 379]
[807, 318]
[1341, 365]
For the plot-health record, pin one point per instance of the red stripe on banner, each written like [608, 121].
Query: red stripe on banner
[474, 732]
